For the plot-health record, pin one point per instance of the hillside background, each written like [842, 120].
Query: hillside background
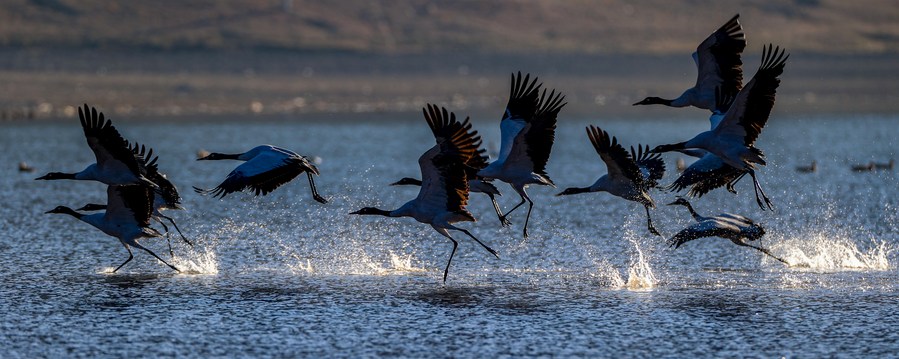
[294, 58]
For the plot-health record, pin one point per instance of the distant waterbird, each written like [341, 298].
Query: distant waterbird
[738, 229]
[885, 166]
[266, 168]
[680, 164]
[811, 168]
[733, 139]
[24, 167]
[443, 196]
[116, 163]
[127, 217]
[630, 175]
[869, 167]
[718, 65]
[527, 132]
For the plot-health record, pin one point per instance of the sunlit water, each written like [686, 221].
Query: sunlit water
[283, 275]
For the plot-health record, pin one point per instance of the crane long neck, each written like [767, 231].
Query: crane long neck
[228, 156]
[57, 176]
[69, 211]
[371, 211]
[669, 148]
[222, 156]
[695, 215]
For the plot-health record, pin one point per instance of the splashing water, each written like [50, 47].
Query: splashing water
[608, 272]
[639, 274]
[399, 264]
[826, 252]
[197, 262]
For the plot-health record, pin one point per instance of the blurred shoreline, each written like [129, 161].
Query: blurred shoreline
[50, 83]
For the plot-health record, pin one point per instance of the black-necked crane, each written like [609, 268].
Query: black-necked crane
[709, 171]
[718, 65]
[166, 197]
[630, 175]
[116, 164]
[475, 184]
[266, 168]
[734, 138]
[527, 132]
[812, 168]
[738, 229]
[443, 195]
[127, 217]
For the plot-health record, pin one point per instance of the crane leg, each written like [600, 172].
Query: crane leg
[759, 190]
[168, 239]
[528, 218]
[499, 213]
[183, 238]
[514, 208]
[315, 194]
[130, 256]
[649, 225]
[157, 257]
[493, 252]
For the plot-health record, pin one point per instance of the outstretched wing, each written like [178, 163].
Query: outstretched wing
[105, 141]
[443, 167]
[540, 135]
[167, 189]
[129, 204]
[651, 165]
[522, 106]
[618, 162]
[718, 60]
[707, 228]
[752, 106]
[522, 98]
[705, 175]
[261, 175]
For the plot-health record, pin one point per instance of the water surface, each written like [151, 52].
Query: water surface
[283, 275]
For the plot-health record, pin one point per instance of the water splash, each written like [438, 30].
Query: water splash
[639, 274]
[197, 262]
[826, 252]
[399, 264]
[609, 273]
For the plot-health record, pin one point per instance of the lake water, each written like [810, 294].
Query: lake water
[283, 275]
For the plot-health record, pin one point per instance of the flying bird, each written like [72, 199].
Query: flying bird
[127, 217]
[718, 64]
[475, 186]
[443, 195]
[630, 175]
[116, 163]
[528, 130]
[475, 183]
[266, 168]
[709, 171]
[738, 229]
[733, 139]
